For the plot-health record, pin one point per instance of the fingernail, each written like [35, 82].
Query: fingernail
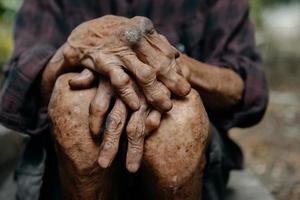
[70, 81]
[103, 162]
[185, 90]
[132, 167]
[73, 82]
[167, 105]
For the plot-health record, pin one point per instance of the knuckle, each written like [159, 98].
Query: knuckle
[159, 99]
[136, 148]
[103, 106]
[126, 92]
[119, 78]
[146, 75]
[165, 65]
[156, 96]
[109, 143]
[67, 51]
[70, 54]
[131, 130]
[135, 131]
[97, 59]
[145, 24]
[114, 121]
[132, 35]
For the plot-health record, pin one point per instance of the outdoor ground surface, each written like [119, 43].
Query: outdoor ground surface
[272, 148]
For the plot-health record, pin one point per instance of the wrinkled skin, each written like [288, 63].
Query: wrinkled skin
[183, 132]
[220, 88]
[208, 80]
[109, 44]
[133, 44]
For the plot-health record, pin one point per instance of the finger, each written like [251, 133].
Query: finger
[65, 58]
[99, 106]
[136, 134]
[146, 77]
[174, 80]
[144, 24]
[52, 71]
[152, 121]
[146, 28]
[83, 81]
[163, 59]
[111, 66]
[168, 49]
[114, 125]
[122, 82]
[71, 52]
[183, 68]
[130, 35]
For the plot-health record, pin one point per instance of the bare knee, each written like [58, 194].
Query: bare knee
[66, 99]
[77, 152]
[175, 151]
[65, 102]
[68, 112]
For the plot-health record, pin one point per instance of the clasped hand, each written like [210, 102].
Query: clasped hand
[134, 65]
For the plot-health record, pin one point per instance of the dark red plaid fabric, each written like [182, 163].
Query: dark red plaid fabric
[212, 31]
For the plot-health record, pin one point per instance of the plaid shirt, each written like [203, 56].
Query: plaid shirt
[213, 31]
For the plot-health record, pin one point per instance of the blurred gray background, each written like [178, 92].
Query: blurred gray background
[272, 148]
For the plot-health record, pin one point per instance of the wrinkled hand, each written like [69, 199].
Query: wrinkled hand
[109, 45]
[100, 104]
[140, 124]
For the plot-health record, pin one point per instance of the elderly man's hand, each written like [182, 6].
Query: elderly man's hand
[132, 57]
[140, 124]
[123, 50]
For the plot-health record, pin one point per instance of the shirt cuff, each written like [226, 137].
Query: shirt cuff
[20, 101]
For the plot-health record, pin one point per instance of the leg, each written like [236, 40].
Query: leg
[77, 152]
[174, 154]
[173, 161]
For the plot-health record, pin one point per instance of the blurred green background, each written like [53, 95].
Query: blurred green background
[8, 9]
[272, 148]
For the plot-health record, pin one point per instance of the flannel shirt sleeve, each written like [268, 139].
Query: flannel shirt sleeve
[229, 41]
[38, 32]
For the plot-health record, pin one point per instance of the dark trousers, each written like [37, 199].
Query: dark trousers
[36, 176]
